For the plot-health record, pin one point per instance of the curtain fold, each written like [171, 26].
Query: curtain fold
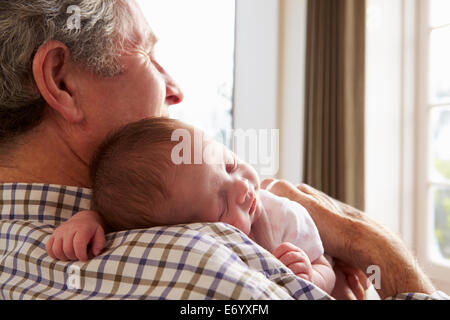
[335, 94]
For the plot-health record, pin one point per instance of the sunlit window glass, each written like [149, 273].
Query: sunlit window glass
[441, 205]
[439, 129]
[196, 46]
[440, 66]
[439, 12]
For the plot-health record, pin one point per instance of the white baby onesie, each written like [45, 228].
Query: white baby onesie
[283, 220]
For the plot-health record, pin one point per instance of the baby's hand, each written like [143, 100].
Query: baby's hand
[71, 239]
[295, 259]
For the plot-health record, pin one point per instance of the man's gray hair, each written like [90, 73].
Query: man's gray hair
[25, 25]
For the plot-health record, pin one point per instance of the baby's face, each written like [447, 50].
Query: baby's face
[221, 189]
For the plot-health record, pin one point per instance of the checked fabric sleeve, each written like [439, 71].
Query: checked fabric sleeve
[197, 261]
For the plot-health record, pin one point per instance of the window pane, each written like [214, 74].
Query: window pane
[442, 220]
[440, 66]
[440, 144]
[439, 12]
[196, 47]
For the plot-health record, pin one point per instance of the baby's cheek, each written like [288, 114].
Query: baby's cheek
[233, 222]
[246, 226]
[239, 224]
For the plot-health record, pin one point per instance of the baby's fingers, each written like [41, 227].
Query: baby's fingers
[292, 257]
[49, 247]
[69, 252]
[58, 250]
[98, 242]
[301, 269]
[295, 259]
[289, 252]
[80, 244]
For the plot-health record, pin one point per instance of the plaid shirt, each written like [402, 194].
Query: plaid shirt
[197, 261]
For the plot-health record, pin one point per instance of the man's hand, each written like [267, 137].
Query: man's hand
[295, 259]
[71, 239]
[351, 283]
[335, 227]
[351, 236]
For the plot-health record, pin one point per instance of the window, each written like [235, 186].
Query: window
[408, 126]
[196, 47]
[383, 110]
[433, 150]
[269, 76]
[228, 58]
[438, 107]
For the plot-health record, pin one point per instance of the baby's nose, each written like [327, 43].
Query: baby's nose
[243, 188]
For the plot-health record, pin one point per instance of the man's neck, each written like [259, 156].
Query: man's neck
[43, 157]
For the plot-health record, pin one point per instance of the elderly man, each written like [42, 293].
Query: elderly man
[62, 90]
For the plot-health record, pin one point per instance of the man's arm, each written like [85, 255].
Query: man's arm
[200, 261]
[354, 238]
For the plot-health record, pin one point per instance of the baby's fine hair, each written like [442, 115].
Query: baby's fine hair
[131, 171]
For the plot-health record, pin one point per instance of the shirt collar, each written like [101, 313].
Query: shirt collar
[45, 203]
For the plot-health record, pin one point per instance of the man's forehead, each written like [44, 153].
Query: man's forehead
[138, 31]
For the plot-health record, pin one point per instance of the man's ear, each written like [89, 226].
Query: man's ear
[51, 67]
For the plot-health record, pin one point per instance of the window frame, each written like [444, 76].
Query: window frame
[437, 269]
[270, 74]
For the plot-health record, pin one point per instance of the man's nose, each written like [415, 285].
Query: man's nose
[174, 94]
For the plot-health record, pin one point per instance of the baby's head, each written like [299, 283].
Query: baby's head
[136, 183]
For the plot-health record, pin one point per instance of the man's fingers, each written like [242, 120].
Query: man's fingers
[285, 189]
[348, 270]
[305, 188]
[266, 182]
[355, 278]
[356, 286]
[342, 290]
[361, 277]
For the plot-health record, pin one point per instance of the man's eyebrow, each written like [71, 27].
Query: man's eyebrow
[152, 39]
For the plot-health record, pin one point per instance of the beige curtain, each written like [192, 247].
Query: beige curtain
[334, 119]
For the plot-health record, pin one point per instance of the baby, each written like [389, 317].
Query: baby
[139, 182]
